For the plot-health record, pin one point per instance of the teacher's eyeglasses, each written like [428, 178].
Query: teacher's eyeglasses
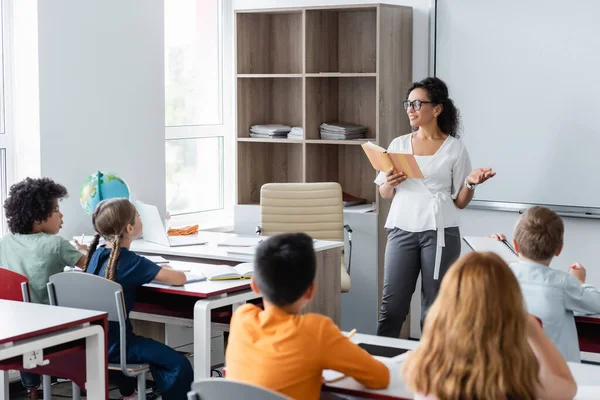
[416, 105]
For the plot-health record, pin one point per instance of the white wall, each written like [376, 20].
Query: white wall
[101, 90]
[420, 22]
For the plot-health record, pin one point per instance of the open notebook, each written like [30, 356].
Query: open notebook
[484, 244]
[225, 272]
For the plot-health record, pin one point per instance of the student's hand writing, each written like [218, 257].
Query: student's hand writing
[394, 179]
[480, 175]
[498, 236]
[81, 247]
[578, 271]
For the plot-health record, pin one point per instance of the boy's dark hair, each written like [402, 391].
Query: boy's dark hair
[539, 233]
[284, 267]
[31, 200]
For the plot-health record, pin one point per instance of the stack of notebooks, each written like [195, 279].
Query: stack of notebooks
[272, 131]
[342, 131]
[296, 133]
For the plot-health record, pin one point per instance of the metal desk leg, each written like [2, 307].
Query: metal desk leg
[4, 394]
[202, 339]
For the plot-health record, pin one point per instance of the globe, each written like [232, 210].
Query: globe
[101, 186]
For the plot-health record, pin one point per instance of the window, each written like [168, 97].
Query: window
[6, 134]
[198, 114]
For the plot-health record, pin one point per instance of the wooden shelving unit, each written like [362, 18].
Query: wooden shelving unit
[305, 66]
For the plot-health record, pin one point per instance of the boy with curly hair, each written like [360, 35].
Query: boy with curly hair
[33, 248]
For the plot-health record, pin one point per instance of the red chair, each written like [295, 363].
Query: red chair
[15, 287]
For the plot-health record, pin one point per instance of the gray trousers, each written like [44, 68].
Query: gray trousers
[406, 255]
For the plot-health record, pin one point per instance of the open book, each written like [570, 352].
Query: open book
[225, 272]
[500, 247]
[383, 161]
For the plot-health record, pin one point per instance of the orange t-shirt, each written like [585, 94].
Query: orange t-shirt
[287, 353]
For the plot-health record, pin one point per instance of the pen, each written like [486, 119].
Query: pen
[82, 238]
[509, 246]
[352, 332]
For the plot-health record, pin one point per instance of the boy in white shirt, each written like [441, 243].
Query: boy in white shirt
[551, 295]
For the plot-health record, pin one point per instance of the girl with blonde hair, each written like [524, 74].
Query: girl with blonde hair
[479, 343]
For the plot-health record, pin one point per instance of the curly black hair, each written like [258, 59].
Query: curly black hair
[449, 119]
[31, 200]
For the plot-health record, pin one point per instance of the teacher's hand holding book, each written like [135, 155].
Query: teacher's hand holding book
[394, 179]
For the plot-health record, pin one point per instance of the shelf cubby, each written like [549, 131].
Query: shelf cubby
[268, 101]
[341, 40]
[269, 43]
[266, 162]
[346, 99]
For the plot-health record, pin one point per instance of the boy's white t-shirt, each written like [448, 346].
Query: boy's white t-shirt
[427, 204]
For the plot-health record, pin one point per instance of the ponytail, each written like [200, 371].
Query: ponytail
[91, 249]
[112, 259]
[449, 119]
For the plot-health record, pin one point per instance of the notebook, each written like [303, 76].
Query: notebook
[383, 161]
[484, 244]
[226, 272]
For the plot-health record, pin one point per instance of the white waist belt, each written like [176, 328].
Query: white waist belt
[438, 199]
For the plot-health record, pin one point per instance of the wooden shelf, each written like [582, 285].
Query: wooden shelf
[341, 99]
[261, 140]
[341, 75]
[269, 43]
[346, 165]
[356, 142]
[266, 162]
[341, 40]
[268, 101]
[250, 76]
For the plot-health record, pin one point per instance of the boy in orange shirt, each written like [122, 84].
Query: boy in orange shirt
[280, 349]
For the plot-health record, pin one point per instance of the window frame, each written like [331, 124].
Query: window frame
[7, 141]
[224, 216]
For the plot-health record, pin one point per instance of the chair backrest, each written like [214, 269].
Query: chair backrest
[227, 389]
[13, 286]
[88, 292]
[312, 208]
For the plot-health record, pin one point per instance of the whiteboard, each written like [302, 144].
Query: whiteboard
[525, 75]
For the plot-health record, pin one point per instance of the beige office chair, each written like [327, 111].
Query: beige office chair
[312, 208]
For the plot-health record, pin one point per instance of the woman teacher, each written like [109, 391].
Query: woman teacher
[423, 234]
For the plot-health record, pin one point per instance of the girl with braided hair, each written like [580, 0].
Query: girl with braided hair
[118, 222]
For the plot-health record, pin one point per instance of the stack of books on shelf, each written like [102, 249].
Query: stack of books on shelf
[296, 133]
[271, 131]
[342, 131]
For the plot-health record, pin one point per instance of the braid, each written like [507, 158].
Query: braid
[112, 259]
[91, 251]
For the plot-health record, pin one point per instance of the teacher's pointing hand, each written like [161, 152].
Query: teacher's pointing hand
[480, 175]
[394, 179]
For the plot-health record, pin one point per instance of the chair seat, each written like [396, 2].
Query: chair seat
[132, 368]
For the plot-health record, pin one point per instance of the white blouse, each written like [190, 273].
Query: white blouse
[427, 204]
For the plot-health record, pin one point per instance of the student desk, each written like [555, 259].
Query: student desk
[58, 341]
[177, 305]
[588, 332]
[585, 375]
